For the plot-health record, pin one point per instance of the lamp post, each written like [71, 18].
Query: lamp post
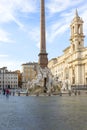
[3, 70]
[3, 77]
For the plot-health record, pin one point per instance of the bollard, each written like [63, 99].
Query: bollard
[78, 92]
[75, 92]
[49, 94]
[18, 93]
[69, 93]
[13, 93]
[27, 94]
[60, 94]
[10, 93]
[37, 94]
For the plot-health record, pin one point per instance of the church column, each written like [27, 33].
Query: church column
[81, 28]
[78, 73]
[70, 74]
[76, 28]
[83, 74]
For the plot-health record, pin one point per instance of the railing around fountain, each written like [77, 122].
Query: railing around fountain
[79, 87]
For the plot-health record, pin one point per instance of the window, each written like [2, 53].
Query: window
[73, 30]
[79, 43]
[86, 81]
[73, 80]
[79, 28]
[73, 47]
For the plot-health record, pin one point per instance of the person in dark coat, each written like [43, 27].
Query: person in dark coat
[3, 91]
[7, 92]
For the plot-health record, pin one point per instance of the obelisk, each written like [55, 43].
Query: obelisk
[43, 60]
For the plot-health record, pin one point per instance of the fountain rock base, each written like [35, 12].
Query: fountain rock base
[44, 83]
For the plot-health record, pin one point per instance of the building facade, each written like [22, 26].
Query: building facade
[8, 79]
[29, 72]
[19, 78]
[72, 65]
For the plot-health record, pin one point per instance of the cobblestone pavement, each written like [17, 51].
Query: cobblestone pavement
[43, 112]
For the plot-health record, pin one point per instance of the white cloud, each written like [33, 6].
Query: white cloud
[10, 64]
[62, 23]
[27, 5]
[3, 56]
[59, 26]
[83, 11]
[5, 36]
[58, 5]
[34, 34]
[9, 9]
[38, 45]
[55, 32]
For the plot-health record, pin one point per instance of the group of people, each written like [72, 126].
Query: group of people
[6, 92]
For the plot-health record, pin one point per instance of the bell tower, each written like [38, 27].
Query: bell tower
[77, 36]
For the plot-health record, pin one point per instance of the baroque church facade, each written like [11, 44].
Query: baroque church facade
[72, 65]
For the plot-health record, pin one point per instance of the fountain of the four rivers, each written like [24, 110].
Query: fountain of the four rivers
[44, 82]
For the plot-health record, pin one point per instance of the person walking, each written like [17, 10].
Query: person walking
[3, 91]
[7, 92]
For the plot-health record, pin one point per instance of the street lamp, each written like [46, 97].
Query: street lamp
[3, 77]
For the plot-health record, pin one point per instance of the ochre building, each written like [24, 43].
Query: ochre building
[72, 65]
[29, 72]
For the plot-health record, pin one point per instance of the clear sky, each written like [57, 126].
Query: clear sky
[20, 29]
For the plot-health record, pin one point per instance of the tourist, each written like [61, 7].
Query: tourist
[18, 93]
[69, 93]
[75, 92]
[7, 92]
[13, 92]
[3, 91]
[60, 93]
[78, 92]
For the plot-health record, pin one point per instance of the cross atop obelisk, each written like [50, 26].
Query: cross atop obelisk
[43, 60]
